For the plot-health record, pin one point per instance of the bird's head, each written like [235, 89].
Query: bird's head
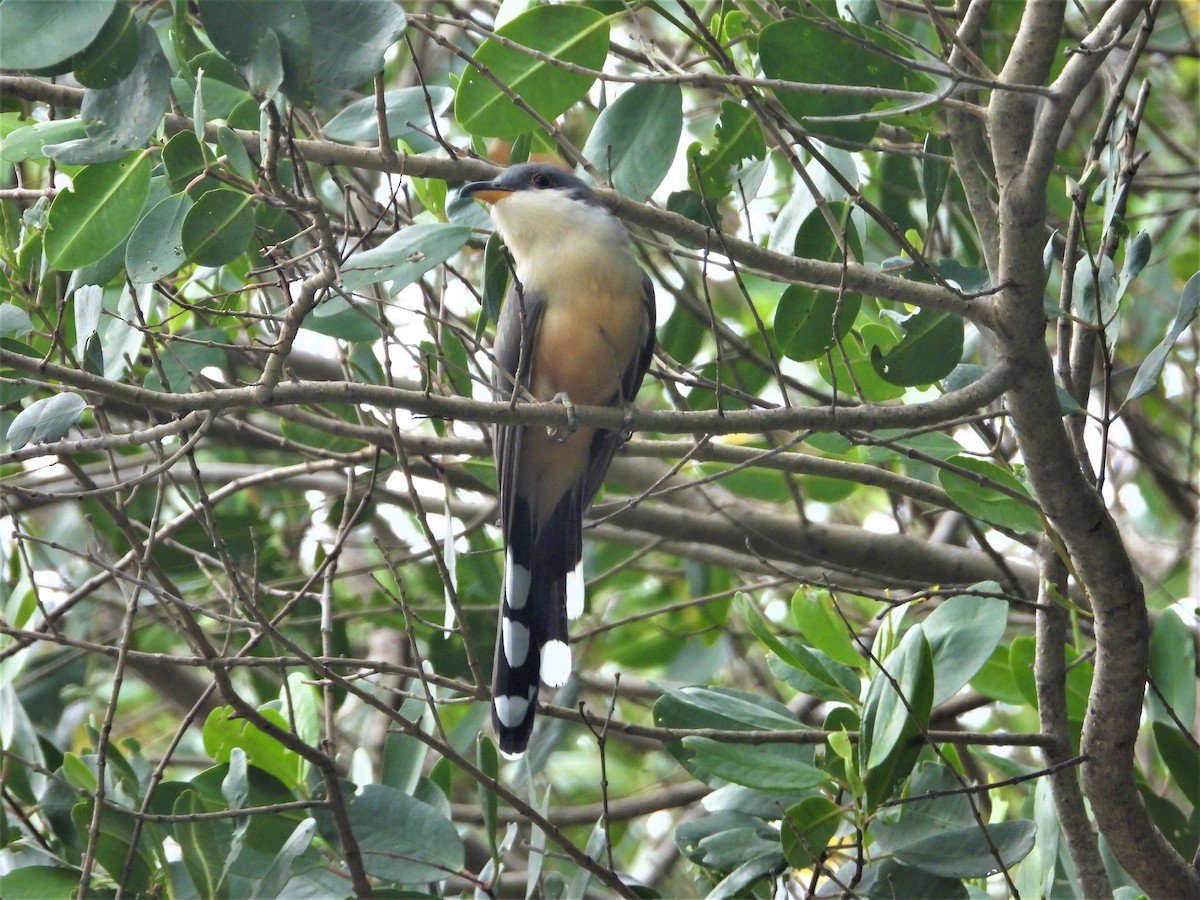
[535, 205]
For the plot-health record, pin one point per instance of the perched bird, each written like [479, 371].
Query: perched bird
[577, 326]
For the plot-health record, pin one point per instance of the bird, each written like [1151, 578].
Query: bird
[577, 326]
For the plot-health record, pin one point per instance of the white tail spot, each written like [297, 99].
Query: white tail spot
[516, 642]
[556, 663]
[516, 582]
[575, 591]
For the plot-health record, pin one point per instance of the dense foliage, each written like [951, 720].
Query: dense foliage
[892, 594]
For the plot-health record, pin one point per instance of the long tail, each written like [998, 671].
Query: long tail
[542, 584]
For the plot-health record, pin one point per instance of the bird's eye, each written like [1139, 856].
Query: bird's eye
[540, 180]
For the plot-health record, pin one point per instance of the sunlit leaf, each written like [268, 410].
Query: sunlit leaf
[574, 34]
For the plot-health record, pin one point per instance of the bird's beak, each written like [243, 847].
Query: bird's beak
[487, 191]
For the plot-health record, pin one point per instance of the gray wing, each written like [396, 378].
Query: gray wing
[513, 350]
[605, 443]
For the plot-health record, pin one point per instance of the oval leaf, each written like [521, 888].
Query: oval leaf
[977, 498]
[574, 34]
[155, 249]
[405, 256]
[87, 222]
[40, 33]
[634, 140]
[218, 228]
[930, 349]
[772, 767]
[45, 420]
[407, 112]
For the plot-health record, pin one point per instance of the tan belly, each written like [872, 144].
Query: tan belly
[582, 350]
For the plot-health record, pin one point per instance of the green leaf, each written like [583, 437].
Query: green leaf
[113, 845]
[1172, 667]
[1079, 677]
[45, 420]
[236, 157]
[894, 715]
[204, 843]
[807, 321]
[281, 868]
[184, 158]
[1151, 368]
[574, 34]
[699, 707]
[983, 501]
[935, 173]
[930, 349]
[770, 767]
[122, 117]
[406, 110]
[962, 633]
[40, 883]
[28, 141]
[113, 54]
[634, 140]
[223, 733]
[1137, 254]
[801, 51]
[812, 672]
[1094, 291]
[237, 29]
[338, 317]
[155, 249]
[349, 39]
[1182, 757]
[405, 256]
[14, 321]
[726, 839]
[737, 138]
[817, 619]
[807, 828]
[489, 763]
[865, 379]
[967, 853]
[402, 839]
[495, 280]
[90, 220]
[40, 33]
[218, 228]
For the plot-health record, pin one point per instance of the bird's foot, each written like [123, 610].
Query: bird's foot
[559, 432]
[626, 422]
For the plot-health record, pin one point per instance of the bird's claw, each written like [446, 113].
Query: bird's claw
[559, 432]
[626, 431]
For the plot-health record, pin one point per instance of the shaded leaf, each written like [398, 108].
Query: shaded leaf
[218, 228]
[635, 138]
[155, 249]
[800, 51]
[930, 349]
[403, 839]
[977, 498]
[407, 113]
[45, 420]
[121, 118]
[965, 852]
[405, 256]
[770, 767]
[962, 633]
[1151, 368]
[807, 828]
[40, 33]
[349, 38]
